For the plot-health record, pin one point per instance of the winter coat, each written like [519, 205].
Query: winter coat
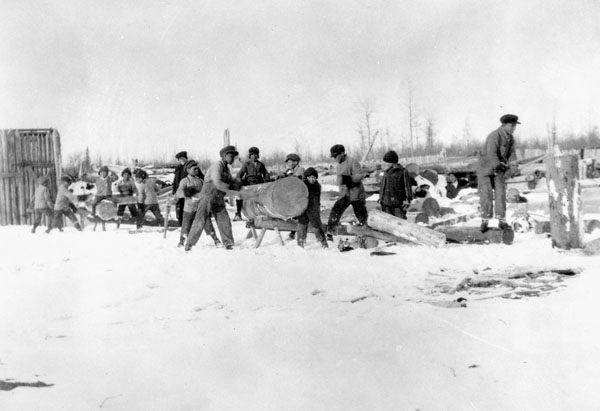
[297, 171]
[351, 167]
[147, 192]
[253, 173]
[41, 198]
[104, 185]
[452, 189]
[126, 188]
[314, 196]
[191, 203]
[180, 174]
[499, 147]
[395, 187]
[218, 178]
[63, 198]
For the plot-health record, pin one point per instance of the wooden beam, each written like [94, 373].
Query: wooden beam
[402, 228]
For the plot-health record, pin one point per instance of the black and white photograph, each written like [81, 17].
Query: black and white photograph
[299, 205]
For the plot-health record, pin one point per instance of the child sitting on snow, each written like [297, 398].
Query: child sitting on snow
[42, 204]
[64, 205]
[313, 210]
[147, 198]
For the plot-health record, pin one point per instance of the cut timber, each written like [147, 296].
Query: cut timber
[283, 199]
[402, 228]
[473, 235]
[566, 217]
[369, 232]
[451, 219]
[592, 247]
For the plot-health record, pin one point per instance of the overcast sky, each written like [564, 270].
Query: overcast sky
[157, 76]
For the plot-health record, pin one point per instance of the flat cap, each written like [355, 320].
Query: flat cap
[337, 149]
[227, 150]
[509, 118]
[253, 150]
[181, 154]
[189, 164]
[293, 157]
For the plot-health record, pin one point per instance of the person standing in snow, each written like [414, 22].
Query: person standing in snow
[496, 158]
[103, 187]
[395, 192]
[126, 188]
[147, 198]
[312, 214]
[352, 192]
[252, 172]
[42, 204]
[189, 189]
[180, 174]
[212, 199]
[292, 169]
[64, 206]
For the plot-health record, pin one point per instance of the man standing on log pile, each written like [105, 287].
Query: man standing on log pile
[496, 158]
[352, 192]
[252, 172]
[212, 199]
[395, 193]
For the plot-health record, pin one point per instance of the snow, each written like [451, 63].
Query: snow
[128, 322]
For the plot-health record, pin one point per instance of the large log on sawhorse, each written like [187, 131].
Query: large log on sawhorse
[412, 232]
[473, 235]
[264, 224]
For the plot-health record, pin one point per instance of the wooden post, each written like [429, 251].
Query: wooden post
[566, 217]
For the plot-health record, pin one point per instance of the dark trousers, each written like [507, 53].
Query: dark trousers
[211, 201]
[492, 195]
[312, 215]
[98, 199]
[188, 220]
[132, 210]
[395, 211]
[358, 206]
[179, 211]
[154, 209]
[238, 206]
[57, 221]
[38, 213]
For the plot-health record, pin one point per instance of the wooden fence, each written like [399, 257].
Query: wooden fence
[26, 155]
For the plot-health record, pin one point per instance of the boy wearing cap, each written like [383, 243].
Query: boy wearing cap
[189, 190]
[126, 188]
[212, 199]
[352, 192]
[312, 214]
[147, 198]
[292, 167]
[497, 157]
[395, 192]
[252, 172]
[180, 174]
[64, 205]
[42, 204]
[103, 186]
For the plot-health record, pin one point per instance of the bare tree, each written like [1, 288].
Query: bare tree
[413, 119]
[430, 134]
[365, 127]
[467, 134]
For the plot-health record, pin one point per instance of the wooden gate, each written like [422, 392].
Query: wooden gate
[26, 155]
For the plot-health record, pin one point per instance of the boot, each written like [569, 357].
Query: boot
[181, 241]
[502, 224]
[329, 237]
[484, 225]
[35, 226]
[301, 235]
[78, 227]
[292, 235]
[324, 244]
[216, 240]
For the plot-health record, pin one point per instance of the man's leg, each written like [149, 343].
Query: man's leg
[500, 196]
[485, 187]
[223, 224]
[360, 211]
[314, 217]
[186, 224]
[238, 210]
[202, 214]
[71, 216]
[336, 214]
[157, 214]
[179, 210]
[209, 229]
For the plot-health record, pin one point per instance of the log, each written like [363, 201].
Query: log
[592, 247]
[402, 228]
[451, 219]
[566, 217]
[284, 198]
[473, 235]
[542, 227]
[363, 231]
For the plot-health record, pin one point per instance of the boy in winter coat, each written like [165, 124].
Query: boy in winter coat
[64, 205]
[147, 198]
[126, 187]
[42, 204]
[189, 190]
[313, 210]
[395, 193]
[103, 186]
[292, 169]
[252, 172]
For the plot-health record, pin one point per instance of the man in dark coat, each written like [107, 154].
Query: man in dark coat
[180, 174]
[395, 193]
[312, 214]
[497, 157]
[252, 172]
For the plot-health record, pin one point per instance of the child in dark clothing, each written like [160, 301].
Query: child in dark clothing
[126, 188]
[64, 206]
[103, 186]
[147, 198]
[42, 204]
[313, 210]
[395, 193]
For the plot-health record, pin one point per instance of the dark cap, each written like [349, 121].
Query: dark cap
[253, 150]
[181, 154]
[430, 175]
[141, 173]
[228, 149]
[103, 168]
[337, 149]
[391, 157]
[189, 164]
[510, 118]
[125, 171]
[311, 171]
[293, 157]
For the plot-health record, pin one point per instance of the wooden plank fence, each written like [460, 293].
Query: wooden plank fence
[26, 155]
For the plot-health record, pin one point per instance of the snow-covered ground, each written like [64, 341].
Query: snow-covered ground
[130, 322]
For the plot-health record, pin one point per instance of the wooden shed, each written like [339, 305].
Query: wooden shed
[26, 155]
